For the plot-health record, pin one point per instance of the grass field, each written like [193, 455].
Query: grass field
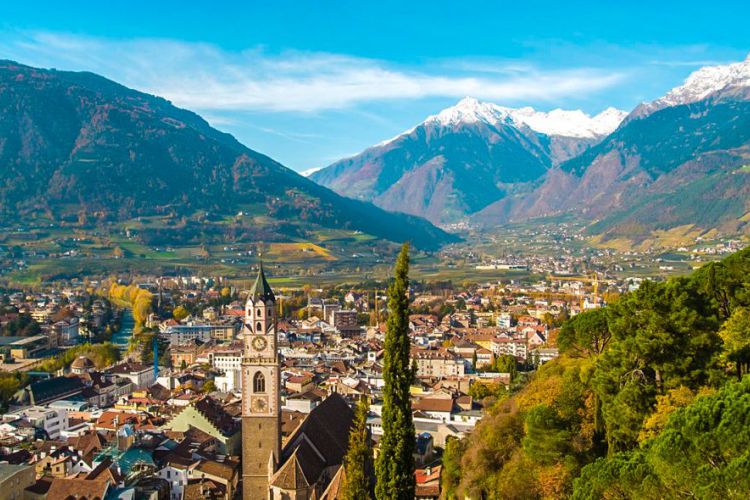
[296, 251]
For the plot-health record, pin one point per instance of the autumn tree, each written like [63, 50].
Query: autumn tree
[179, 313]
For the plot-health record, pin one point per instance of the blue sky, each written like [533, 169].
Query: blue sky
[308, 82]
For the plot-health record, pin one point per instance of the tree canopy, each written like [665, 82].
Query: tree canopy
[643, 402]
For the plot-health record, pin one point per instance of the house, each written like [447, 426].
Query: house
[428, 482]
[439, 408]
[225, 473]
[345, 322]
[77, 489]
[52, 389]
[52, 420]
[66, 331]
[437, 363]
[305, 402]
[140, 375]
[177, 471]
[209, 416]
[14, 479]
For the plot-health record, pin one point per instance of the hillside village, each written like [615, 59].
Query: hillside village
[133, 425]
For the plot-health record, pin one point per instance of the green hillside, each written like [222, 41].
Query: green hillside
[650, 398]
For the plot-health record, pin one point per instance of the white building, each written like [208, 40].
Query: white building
[52, 420]
[230, 363]
[140, 375]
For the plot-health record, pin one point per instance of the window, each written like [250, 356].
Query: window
[259, 382]
[258, 328]
[259, 313]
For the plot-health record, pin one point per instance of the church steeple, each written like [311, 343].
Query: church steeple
[261, 290]
[261, 404]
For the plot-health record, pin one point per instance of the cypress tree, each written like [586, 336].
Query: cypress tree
[358, 464]
[395, 464]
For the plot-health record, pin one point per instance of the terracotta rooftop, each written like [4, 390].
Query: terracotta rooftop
[77, 489]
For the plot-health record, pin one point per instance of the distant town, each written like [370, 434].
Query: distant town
[96, 398]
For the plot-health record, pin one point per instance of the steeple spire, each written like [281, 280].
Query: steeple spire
[261, 289]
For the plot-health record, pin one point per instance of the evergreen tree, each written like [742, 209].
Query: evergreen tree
[358, 464]
[395, 465]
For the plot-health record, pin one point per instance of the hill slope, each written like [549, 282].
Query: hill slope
[78, 148]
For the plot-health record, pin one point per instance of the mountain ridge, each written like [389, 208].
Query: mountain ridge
[672, 162]
[79, 146]
[464, 158]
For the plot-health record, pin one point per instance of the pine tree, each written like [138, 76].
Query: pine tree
[358, 464]
[395, 464]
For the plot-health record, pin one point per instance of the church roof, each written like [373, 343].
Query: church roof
[335, 487]
[320, 441]
[301, 470]
[261, 289]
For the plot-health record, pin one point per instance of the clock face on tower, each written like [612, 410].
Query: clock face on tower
[259, 343]
[259, 404]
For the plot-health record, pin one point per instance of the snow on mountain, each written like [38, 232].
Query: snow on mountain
[557, 122]
[309, 171]
[703, 82]
[574, 123]
[471, 110]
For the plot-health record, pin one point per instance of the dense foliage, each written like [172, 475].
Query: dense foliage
[22, 325]
[102, 355]
[395, 464]
[140, 300]
[643, 402]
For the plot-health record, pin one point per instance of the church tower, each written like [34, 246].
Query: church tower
[261, 406]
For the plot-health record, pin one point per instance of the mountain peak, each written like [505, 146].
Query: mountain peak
[470, 110]
[703, 82]
[559, 122]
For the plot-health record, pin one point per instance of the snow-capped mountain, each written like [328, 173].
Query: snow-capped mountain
[308, 172]
[465, 157]
[558, 122]
[574, 123]
[702, 83]
[677, 162]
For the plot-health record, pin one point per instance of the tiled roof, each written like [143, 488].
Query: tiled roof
[301, 470]
[77, 489]
[433, 404]
[327, 427]
[217, 469]
[215, 413]
[48, 390]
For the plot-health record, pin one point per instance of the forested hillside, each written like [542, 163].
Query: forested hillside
[647, 400]
[78, 150]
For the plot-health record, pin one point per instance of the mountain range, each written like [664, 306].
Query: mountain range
[466, 157]
[78, 149]
[678, 162]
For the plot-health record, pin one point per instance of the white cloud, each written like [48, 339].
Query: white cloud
[206, 78]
